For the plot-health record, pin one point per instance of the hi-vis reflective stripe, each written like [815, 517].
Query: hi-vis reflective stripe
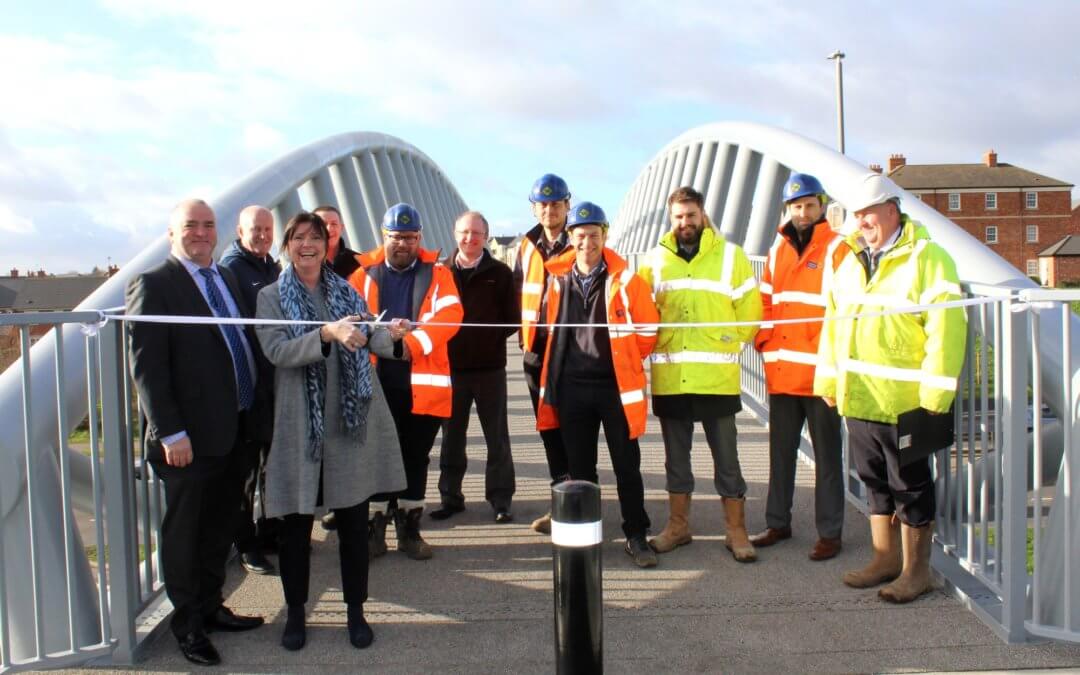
[634, 396]
[707, 285]
[695, 357]
[766, 288]
[367, 287]
[824, 370]
[942, 287]
[425, 341]
[745, 288]
[801, 297]
[528, 314]
[805, 358]
[576, 535]
[532, 288]
[902, 374]
[431, 380]
[445, 301]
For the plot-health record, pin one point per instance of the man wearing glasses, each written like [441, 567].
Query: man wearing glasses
[407, 282]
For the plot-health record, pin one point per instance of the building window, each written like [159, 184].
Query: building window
[1031, 234]
[991, 234]
[954, 201]
[1031, 200]
[991, 200]
[1033, 268]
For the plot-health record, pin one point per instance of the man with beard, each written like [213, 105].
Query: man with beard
[699, 277]
[800, 264]
[420, 299]
[550, 199]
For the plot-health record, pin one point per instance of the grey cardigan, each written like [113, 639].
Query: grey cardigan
[352, 470]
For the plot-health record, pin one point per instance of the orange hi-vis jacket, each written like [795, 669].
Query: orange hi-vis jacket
[629, 301]
[430, 365]
[530, 269]
[792, 287]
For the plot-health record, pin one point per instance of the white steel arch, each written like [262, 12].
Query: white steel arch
[360, 173]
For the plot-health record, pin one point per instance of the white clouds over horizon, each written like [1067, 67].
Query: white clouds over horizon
[119, 117]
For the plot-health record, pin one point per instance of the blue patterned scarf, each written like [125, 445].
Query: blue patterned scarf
[354, 367]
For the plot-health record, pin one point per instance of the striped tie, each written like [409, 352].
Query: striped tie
[245, 385]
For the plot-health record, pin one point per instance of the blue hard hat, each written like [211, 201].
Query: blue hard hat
[401, 218]
[549, 188]
[801, 185]
[585, 213]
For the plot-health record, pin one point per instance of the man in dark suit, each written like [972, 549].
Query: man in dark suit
[196, 387]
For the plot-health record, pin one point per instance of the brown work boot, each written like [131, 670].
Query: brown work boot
[677, 531]
[736, 540]
[915, 579]
[771, 535]
[409, 540]
[886, 563]
[542, 524]
[377, 535]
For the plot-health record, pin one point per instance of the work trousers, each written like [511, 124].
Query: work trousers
[720, 433]
[416, 435]
[583, 408]
[554, 446]
[294, 554]
[254, 531]
[488, 389]
[201, 512]
[787, 413]
[907, 491]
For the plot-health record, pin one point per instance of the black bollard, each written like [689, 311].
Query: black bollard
[576, 534]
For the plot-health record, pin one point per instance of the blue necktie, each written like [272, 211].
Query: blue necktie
[245, 386]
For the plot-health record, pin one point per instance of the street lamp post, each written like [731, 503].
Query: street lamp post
[838, 56]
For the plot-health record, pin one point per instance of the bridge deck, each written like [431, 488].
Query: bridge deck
[484, 603]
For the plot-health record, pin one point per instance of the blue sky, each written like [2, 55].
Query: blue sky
[116, 109]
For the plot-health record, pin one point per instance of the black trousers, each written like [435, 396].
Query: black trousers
[583, 409]
[201, 513]
[254, 531]
[907, 491]
[488, 389]
[416, 434]
[294, 554]
[787, 413]
[554, 447]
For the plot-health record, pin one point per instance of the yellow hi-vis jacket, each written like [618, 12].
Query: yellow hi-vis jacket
[716, 285]
[877, 367]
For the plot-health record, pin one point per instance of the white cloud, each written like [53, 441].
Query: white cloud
[259, 136]
[12, 223]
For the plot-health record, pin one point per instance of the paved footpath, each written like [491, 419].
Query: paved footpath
[484, 603]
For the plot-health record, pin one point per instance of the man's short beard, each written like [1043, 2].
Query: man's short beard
[695, 236]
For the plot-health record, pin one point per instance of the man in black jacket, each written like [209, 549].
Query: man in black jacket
[478, 370]
[341, 257]
[196, 385]
[249, 259]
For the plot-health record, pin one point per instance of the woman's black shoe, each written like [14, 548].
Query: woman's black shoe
[360, 633]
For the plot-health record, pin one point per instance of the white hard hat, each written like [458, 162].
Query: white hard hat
[872, 190]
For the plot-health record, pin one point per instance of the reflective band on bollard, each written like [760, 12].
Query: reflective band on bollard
[576, 534]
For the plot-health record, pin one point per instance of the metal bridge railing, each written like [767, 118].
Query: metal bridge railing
[81, 600]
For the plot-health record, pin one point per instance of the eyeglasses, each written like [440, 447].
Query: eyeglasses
[403, 238]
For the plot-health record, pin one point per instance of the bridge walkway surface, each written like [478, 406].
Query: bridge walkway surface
[484, 602]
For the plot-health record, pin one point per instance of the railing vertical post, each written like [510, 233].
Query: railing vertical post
[121, 555]
[1014, 359]
[576, 536]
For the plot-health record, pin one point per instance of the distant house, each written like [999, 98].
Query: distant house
[39, 292]
[1012, 210]
[1059, 265]
[504, 248]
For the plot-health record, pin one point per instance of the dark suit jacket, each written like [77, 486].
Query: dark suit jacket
[183, 372]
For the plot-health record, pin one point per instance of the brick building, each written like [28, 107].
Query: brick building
[1016, 212]
[1059, 265]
